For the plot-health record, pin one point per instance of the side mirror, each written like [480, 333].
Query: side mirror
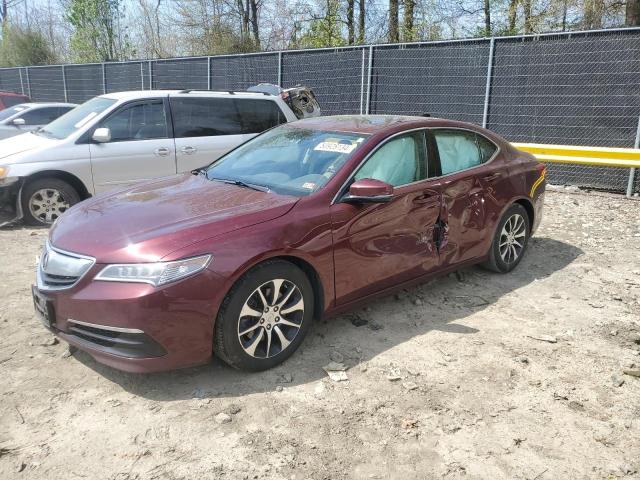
[19, 122]
[369, 190]
[101, 135]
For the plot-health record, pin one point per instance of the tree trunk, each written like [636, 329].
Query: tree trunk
[513, 15]
[409, 7]
[3, 11]
[565, 9]
[527, 16]
[351, 28]
[487, 18]
[633, 13]
[393, 21]
[254, 23]
[361, 22]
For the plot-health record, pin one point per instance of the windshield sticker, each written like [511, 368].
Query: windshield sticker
[85, 120]
[309, 185]
[335, 147]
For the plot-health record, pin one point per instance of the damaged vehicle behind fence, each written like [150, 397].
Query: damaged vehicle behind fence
[117, 139]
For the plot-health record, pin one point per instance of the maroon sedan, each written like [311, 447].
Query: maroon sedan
[305, 220]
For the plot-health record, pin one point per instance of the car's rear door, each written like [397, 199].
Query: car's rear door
[141, 146]
[470, 184]
[207, 127]
[382, 244]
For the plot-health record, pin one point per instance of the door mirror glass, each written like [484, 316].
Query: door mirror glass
[18, 122]
[369, 190]
[102, 135]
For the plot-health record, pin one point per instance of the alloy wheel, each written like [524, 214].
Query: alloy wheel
[271, 318]
[47, 204]
[512, 238]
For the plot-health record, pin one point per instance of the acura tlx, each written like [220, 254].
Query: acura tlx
[305, 220]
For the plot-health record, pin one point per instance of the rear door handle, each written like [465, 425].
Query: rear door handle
[188, 150]
[162, 151]
[492, 176]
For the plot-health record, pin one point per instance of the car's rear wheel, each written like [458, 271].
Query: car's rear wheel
[265, 316]
[45, 199]
[510, 240]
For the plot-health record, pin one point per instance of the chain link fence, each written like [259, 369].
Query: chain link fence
[578, 88]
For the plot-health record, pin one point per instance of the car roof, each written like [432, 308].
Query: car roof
[45, 104]
[141, 94]
[372, 124]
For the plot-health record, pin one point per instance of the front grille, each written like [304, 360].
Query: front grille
[117, 341]
[58, 269]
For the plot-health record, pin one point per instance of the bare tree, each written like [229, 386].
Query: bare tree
[408, 20]
[351, 28]
[393, 21]
[361, 21]
[632, 14]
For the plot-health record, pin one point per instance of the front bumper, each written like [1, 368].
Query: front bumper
[136, 327]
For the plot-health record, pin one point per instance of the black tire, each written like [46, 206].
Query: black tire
[229, 323]
[496, 261]
[63, 191]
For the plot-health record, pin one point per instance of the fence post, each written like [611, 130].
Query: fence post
[362, 83]
[487, 90]
[209, 79]
[26, 71]
[104, 78]
[64, 85]
[280, 68]
[369, 75]
[21, 82]
[632, 171]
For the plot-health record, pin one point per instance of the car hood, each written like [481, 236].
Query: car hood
[152, 219]
[22, 143]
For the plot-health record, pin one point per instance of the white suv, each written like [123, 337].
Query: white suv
[119, 138]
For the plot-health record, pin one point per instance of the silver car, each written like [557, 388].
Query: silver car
[117, 139]
[27, 117]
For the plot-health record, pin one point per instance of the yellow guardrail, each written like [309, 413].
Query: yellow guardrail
[595, 156]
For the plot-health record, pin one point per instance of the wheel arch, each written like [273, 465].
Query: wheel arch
[70, 178]
[307, 268]
[528, 206]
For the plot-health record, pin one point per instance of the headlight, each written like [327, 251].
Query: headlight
[156, 274]
[3, 171]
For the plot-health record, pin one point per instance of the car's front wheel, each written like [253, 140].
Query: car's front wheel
[510, 240]
[265, 316]
[45, 199]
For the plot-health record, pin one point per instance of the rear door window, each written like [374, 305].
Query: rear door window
[204, 117]
[461, 149]
[258, 115]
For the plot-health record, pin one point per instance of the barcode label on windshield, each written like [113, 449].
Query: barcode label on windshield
[335, 147]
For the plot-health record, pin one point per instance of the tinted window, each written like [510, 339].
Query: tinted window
[77, 118]
[458, 150]
[141, 121]
[205, 117]
[397, 162]
[258, 115]
[41, 116]
[9, 112]
[487, 148]
[10, 101]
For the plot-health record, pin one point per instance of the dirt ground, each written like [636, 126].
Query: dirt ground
[446, 380]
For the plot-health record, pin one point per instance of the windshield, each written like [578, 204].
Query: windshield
[288, 160]
[10, 112]
[75, 119]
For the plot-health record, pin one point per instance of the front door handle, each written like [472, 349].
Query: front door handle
[162, 151]
[188, 150]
